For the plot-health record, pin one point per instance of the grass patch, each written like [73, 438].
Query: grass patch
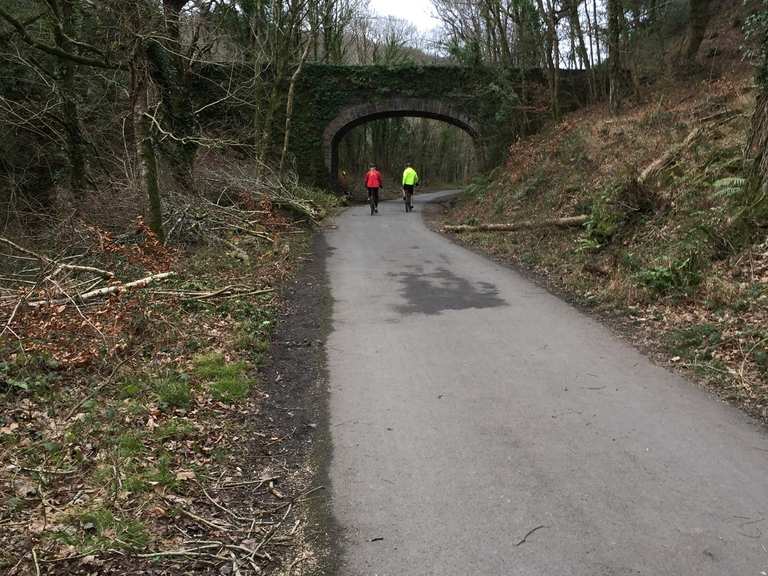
[231, 389]
[130, 444]
[228, 381]
[696, 342]
[677, 276]
[760, 358]
[175, 429]
[477, 189]
[162, 473]
[172, 391]
[108, 458]
[132, 387]
[531, 186]
[100, 529]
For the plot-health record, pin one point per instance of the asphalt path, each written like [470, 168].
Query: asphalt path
[482, 426]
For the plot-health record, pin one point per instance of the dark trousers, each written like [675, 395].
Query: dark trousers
[373, 194]
[408, 193]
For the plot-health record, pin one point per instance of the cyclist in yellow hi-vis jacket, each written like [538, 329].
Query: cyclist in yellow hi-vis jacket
[410, 181]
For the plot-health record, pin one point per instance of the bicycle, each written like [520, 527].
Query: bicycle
[407, 197]
[373, 200]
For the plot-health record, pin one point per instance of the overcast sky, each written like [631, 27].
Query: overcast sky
[417, 11]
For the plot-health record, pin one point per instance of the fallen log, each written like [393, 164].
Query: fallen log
[523, 225]
[116, 289]
[669, 156]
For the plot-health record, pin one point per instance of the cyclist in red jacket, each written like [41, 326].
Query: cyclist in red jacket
[373, 183]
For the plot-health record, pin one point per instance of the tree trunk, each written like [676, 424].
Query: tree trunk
[176, 101]
[615, 10]
[172, 12]
[698, 20]
[148, 163]
[755, 197]
[653, 11]
[597, 34]
[289, 107]
[265, 139]
[756, 193]
[145, 146]
[68, 94]
[552, 54]
[592, 34]
[579, 33]
[581, 47]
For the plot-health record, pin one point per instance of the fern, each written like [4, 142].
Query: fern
[729, 187]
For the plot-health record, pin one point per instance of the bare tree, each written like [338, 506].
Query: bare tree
[61, 17]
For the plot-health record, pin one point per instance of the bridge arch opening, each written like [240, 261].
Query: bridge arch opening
[354, 117]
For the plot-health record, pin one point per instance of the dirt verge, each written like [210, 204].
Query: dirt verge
[297, 405]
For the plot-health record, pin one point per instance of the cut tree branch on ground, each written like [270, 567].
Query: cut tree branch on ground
[523, 225]
[669, 156]
[672, 153]
[117, 289]
[42, 259]
[46, 262]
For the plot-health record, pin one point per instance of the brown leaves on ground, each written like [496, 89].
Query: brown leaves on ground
[149, 253]
[131, 423]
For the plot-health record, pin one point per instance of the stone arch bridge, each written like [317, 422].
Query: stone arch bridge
[492, 109]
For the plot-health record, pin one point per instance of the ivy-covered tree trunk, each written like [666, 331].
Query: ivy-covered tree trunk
[144, 136]
[149, 176]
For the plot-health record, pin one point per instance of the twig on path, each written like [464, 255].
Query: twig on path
[303, 497]
[7, 327]
[272, 532]
[222, 508]
[191, 552]
[530, 532]
[522, 225]
[200, 520]
[258, 483]
[49, 471]
[235, 564]
[295, 563]
[37, 564]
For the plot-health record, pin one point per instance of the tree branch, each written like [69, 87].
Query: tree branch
[27, 22]
[51, 49]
